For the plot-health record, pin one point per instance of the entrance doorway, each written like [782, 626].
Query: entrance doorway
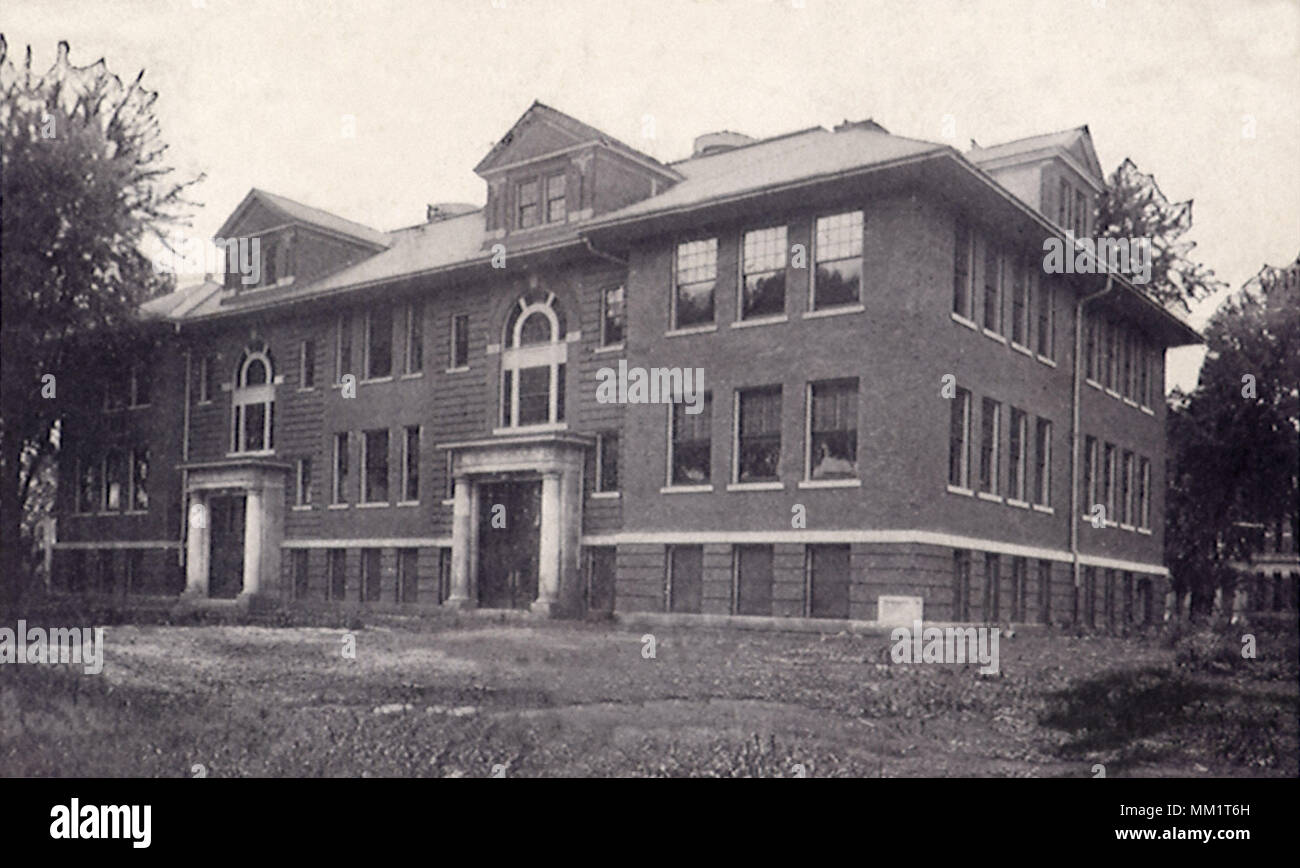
[226, 569]
[509, 524]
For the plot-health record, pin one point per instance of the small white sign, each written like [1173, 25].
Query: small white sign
[899, 611]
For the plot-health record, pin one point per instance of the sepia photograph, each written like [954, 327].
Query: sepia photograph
[501, 389]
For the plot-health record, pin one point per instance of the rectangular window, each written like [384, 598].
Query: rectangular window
[1080, 214]
[301, 575]
[832, 430]
[307, 365]
[1143, 373]
[206, 385]
[1019, 580]
[1018, 456]
[338, 574]
[960, 585]
[460, 341]
[1065, 206]
[992, 289]
[1112, 354]
[343, 347]
[370, 574]
[992, 586]
[607, 461]
[340, 467]
[448, 479]
[1089, 490]
[828, 580]
[1046, 316]
[1019, 302]
[114, 481]
[1126, 489]
[758, 434]
[685, 579]
[89, 482]
[527, 199]
[1144, 494]
[1043, 462]
[379, 342]
[963, 259]
[1126, 363]
[408, 575]
[140, 480]
[990, 445]
[534, 395]
[602, 570]
[555, 206]
[374, 462]
[691, 440]
[414, 337]
[837, 279]
[762, 273]
[411, 464]
[753, 579]
[1044, 592]
[613, 317]
[697, 276]
[1108, 481]
[303, 487]
[141, 384]
[959, 440]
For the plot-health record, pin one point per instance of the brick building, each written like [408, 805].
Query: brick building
[897, 400]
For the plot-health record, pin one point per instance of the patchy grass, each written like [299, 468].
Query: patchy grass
[447, 698]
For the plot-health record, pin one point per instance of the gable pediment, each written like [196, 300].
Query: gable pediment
[536, 134]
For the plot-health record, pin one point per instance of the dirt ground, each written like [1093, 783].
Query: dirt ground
[473, 698]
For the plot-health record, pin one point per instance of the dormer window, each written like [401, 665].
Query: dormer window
[527, 204]
[540, 200]
[555, 212]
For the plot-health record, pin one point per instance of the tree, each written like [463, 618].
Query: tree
[84, 184]
[1132, 206]
[1235, 441]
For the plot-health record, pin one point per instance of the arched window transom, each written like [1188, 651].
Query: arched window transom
[533, 363]
[253, 402]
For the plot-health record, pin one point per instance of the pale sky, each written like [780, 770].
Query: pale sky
[1205, 95]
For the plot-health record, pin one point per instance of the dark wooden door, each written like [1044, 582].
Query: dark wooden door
[226, 562]
[508, 535]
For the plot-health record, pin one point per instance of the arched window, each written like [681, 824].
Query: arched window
[253, 401]
[532, 363]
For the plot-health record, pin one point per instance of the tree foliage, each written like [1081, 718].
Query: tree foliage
[1132, 206]
[1234, 442]
[85, 182]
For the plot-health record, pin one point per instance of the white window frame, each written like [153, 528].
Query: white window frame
[1021, 491]
[414, 314]
[1043, 496]
[243, 396]
[515, 358]
[338, 497]
[365, 468]
[816, 254]
[406, 461]
[365, 349]
[741, 273]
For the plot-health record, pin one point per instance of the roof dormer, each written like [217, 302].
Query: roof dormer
[551, 170]
[262, 238]
[1057, 173]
